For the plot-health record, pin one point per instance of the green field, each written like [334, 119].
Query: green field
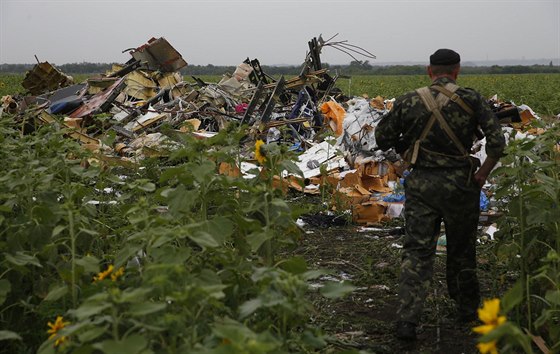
[538, 91]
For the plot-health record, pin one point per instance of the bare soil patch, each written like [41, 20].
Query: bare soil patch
[364, 320]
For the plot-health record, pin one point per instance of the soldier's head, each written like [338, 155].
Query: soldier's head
[444, 62]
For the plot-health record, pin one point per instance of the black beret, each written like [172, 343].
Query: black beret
[444, 57]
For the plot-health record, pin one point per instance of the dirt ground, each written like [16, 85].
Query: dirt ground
[370, 260]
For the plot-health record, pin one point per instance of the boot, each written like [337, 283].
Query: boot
[406, 331]
[467, 317]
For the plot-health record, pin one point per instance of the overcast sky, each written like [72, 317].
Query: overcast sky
[276, 32]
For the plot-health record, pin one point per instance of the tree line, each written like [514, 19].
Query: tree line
[354, 68]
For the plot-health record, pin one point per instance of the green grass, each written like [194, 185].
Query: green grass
[538, 91]
[10, 84]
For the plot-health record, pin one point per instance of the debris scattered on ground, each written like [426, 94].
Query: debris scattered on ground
[133, 101]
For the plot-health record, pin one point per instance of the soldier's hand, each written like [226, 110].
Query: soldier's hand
[480, 179]
[482, 174]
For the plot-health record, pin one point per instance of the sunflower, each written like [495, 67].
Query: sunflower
[109, 272]
[489, 315]
[102, 275]
[116, 275]
[487, 348]
[260, 153]
[55, 328]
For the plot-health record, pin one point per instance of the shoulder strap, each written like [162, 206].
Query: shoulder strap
[443, 99]
[449, 93]
[430, 103]
[427, 128]
[425, 131]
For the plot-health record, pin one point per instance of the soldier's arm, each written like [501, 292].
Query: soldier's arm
[495, 142]
[482, 173]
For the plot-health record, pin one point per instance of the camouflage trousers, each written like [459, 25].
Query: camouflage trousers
[433, 196]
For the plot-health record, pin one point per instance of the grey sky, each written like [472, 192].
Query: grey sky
[276, 32]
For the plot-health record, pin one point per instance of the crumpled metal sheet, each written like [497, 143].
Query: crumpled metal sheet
[100, 102]
[45, 77]
[158, 54]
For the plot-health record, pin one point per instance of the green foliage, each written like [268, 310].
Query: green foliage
[10, 84]
[529, 236]
[169, 257]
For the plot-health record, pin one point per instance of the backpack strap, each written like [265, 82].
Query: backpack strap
[432, 106]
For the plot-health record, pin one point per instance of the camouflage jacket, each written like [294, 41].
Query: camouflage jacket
[401, 127]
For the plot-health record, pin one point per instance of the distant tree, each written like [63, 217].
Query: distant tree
[355, 67]
[496, 69]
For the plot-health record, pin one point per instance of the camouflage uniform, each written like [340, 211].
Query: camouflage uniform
[439, 187]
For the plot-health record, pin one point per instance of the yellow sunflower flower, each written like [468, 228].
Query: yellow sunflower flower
[102, 275]
[489, 314]
[116, 275]
[55, 327]
[260, 154]
[489, 347]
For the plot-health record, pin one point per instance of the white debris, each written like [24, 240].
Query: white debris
[300, 223]
[369, 229]
[358, 137]
[381, 287]
[247, 168]
[324, 153]
[491, 230]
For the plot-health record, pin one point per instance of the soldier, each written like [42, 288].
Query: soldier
[433, 129]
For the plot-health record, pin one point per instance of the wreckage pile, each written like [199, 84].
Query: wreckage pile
[137, 98]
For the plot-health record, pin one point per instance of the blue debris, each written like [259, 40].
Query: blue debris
[483, 201]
